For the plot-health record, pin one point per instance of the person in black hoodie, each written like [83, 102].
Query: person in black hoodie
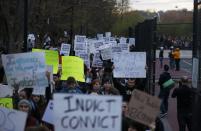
[164, 92]
[185, 96]
[127, 89]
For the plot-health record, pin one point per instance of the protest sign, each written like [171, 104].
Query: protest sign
[65, 49]
[48, 115]
[12, 120]
[144, 108]
[123, 40]
[27, 70]
[85, 57]
[97, 62]
[80, 43]
[98, 44]
[72, 66]
[5, 91]
[108, 34]
[41, 91]
[124, 47]
[80, 38]
[51, 58]
[116, 49]
[87, 112]
[80, 46]
[132, 41]
[100, 36]
[129, 65]
[6, 103]
[106, 54]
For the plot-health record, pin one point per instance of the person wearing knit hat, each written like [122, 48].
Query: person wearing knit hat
[24, 105]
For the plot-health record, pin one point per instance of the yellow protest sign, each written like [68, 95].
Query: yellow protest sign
[73, 66]
[6, 102]
[51, 58]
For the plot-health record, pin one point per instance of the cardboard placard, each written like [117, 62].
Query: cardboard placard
[27, 70]
[6, 103]
[51, 58]
[129, 65]
[12, 120]
[144, 108]
[65, 49]
[5, 91]
[73, 66]
[49, 114]
[87, 112]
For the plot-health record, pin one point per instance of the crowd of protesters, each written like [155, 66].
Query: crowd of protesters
[99, 81]
[184, 43]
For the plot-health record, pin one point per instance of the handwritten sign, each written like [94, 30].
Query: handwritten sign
[48, 115]
[132, 41]
[72, 66]
[98, 44]
[51, 58]
[97, 62]
[12, 120]
[6, 102]
[123, 40]
[116, 49]
[108, 34]
[80, 43]
[25, 69]
[5, 91]
[80, 38]
[85, 57]
[124, 47]
[100, 36]
[106, 54]
[129, 65]
[144, 108]
[87, 113]
[65, 49]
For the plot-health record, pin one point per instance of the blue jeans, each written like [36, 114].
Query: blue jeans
[164, 96]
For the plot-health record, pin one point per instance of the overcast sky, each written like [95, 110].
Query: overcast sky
[164, 5]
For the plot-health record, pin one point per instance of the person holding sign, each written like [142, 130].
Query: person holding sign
[71, 87]
[126, 90]
[25, 106]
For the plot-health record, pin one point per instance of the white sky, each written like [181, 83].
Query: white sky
[156, 5]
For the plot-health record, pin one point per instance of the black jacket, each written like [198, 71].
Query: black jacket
[164, 92]
[163, 78]
[184, 95]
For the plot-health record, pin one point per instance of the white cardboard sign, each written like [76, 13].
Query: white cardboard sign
[129, 65]
[5, 91]
[97, 62]
[87, 112]
[12, 120]
[65, 49]
[49, 114]
[25, 69]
